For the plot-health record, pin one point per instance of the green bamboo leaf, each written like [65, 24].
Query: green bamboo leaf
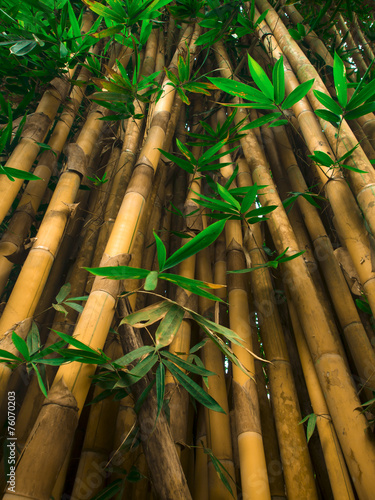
[63, 293]
[328, 116]
[161, 251]
[76, 343]
[297, 94]
[193, 389]
[219, 467]
[184, 164]
[368, 107]
[160, 387]
[364, 95]
[198, 346]
[40, 380]
[9, 355]
[322, 158]
[361, 304]
[118, 272]
[354, 169]
[249, 199]
[148, 315]
[33, 339]
[278, 123]
[144, 366]
[12, 173]
[339, 76]
[328, 102]
[169, 326]
[311, 423]
[202, 240]
[60, 308]
[21, 346]
[194, 286]
[241, 90]
[263, 120]
[225, 194]
[142, 398]
[132, 356]
[151, 281]
[278, 81]
[73, 305]
[260, 78]
[261, 211]
[215, 327]
[189, 367]
[349, 153]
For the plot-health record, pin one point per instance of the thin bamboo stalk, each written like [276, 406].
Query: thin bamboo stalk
[219, 438]
[253, 469]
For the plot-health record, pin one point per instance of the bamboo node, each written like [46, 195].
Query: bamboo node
[76, 160]
[36, 127]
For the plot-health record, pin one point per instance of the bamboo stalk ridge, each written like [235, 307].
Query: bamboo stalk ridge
[328, 363]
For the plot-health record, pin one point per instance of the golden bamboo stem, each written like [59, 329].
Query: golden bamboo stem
[355, 335]
[362, 184]
[219, 438]
[35, 131]
[338, 192]
[338, 474]
[292, 442]
[342, 399]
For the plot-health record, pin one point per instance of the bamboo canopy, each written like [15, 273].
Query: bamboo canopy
[187, 250]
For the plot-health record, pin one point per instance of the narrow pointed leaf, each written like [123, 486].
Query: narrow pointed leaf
[339, 76]
[161, 251]
[260, 78]
[148, 315]
[189, 367]
[160, 387]
[241, 90]
[263, 120]
[278, 81]
[202, 240]
[297, 94]
[328, 102]
[21, 346]
[169, 326]
[194, 389]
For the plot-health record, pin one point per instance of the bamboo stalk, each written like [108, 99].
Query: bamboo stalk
[355, 335]
[350, 426]
[33, 132]
[292, 442]
[362, 184]
[339, 477]
[338, 192]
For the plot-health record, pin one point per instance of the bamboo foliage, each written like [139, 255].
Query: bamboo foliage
[176, 319]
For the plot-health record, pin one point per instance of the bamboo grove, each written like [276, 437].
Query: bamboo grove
[187, 249]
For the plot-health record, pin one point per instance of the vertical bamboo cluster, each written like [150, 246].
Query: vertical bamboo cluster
[247, 368]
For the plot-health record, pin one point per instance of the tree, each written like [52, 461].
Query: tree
[188, 270]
